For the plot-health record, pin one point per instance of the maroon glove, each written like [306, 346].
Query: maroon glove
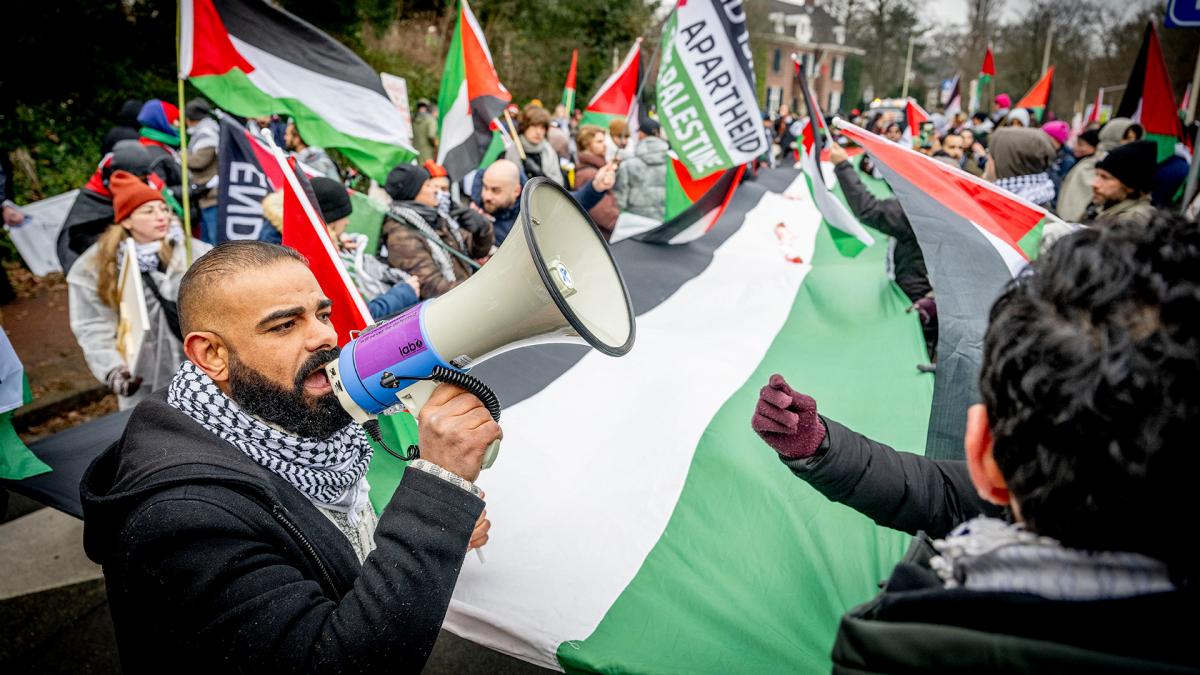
[787, 420]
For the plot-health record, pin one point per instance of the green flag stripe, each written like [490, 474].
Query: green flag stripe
[453, 74]
[601, 120]
[1031, 243]
[735, 584]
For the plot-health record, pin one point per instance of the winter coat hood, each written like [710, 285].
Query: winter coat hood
[1021, 152]
[652, 150]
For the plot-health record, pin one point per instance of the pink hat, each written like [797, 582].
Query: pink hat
[1058, 130]
[1003, 101]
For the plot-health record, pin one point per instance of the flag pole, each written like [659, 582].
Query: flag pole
[186, 187]
[516, 138]
[1191, 111]
[1049, 46]
[907, 67]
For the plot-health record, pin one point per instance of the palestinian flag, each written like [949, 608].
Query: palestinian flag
[975, 237]
[1149, 98]
[253, 59]
[1038, 98]
[952, 98]
[914, 117]
[304, 230]
[987, 72]
[663, 536]
[568, 99]
[693, 206]
[471, 98]
[617, 97]
[815, 132]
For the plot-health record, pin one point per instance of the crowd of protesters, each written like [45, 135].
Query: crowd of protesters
[1098, 175]
[1056, 510]
[435, 236]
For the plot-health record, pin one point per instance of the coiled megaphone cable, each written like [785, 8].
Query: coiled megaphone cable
[446, 376]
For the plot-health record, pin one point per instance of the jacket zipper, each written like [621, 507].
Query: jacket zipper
[278, 514]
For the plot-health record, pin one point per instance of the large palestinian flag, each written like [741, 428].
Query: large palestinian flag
[1037, 98]
[975, 238]
[639, 524]
[617, 97]
[253, 58]
[1149, 98]
[471, 98]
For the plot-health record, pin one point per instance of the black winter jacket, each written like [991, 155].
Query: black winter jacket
[918, 626]
[214, 564]
[898, 490]
[888, 217]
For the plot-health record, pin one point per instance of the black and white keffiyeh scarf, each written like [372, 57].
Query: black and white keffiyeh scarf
[328, 471]
[987, 554]
[1035, 187]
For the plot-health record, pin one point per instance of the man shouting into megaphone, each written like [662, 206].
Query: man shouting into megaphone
[232, 518]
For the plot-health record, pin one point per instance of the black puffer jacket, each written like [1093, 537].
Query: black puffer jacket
[899, 490]
[916, 625]
[888, 217]
[214, 564]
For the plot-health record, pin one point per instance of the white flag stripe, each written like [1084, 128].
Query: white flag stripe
[1012, 258]
[593, 465]
[349, 108]
[457, 126]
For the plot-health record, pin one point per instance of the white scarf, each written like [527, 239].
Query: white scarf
[328, 471]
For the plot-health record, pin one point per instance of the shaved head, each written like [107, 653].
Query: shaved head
[501, 185]
[503, 170]
[203, 286]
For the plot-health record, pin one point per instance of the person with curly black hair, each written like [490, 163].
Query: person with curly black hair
[1061, 542]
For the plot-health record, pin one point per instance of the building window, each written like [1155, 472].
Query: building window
[839, 65]
[839, 34]
[835, 102]
[803, 26]
[776, 60]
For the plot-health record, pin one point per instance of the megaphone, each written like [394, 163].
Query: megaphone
[553, 280]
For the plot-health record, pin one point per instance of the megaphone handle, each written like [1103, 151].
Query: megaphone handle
[415, 396]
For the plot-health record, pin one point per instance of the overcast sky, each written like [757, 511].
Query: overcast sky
[955, 11]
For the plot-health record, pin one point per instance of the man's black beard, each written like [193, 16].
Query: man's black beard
[288, 409]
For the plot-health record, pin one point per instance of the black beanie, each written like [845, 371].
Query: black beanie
[129, 156]
[405, 181]
[332, 198]
[197, 109]
[1092, 136]
[1133, 164]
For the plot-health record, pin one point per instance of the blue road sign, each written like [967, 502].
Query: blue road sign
[1183, 14]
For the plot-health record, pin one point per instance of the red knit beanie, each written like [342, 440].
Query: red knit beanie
[435, 170]
[129, 192]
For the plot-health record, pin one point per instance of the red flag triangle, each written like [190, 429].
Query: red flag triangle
[304, 231]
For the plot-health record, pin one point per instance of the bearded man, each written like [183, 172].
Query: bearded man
[232, 519]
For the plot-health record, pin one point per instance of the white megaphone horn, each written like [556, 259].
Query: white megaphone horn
[553, 280]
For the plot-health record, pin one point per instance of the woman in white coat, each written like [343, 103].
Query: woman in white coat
[141, 218]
